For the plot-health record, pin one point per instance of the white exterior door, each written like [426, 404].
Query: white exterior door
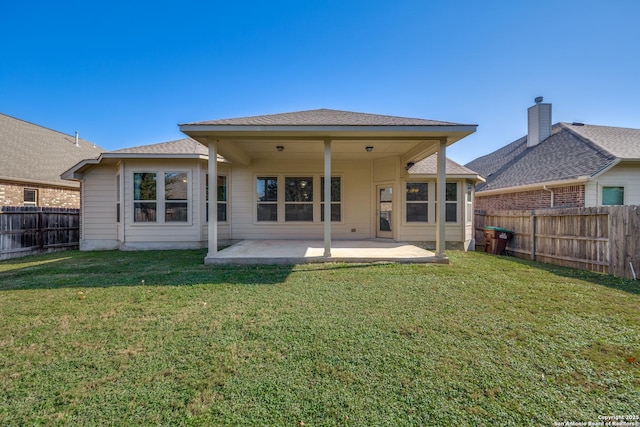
[384, 211]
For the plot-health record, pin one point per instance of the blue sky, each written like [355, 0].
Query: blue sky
[126, 73]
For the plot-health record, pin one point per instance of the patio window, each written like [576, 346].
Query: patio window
[417, 202]
[267, 188]
[176, 208]
[613, 195]
[336, 200]
[222, 197]
[30, 197]
[298, 199]
[118, 198]
[451, 202]
[144, 197]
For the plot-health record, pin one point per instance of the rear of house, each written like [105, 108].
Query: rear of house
[157, 196]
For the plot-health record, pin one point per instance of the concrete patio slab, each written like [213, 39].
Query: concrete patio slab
[312, 251]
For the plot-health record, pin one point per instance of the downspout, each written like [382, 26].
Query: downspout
[544, 187]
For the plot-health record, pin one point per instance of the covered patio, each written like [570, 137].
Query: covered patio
[288, 252]
[256, 146]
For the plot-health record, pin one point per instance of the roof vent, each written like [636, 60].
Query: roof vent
[539, 117]
[577, 124]
[77, 142]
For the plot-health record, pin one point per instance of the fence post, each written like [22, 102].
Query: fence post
[534, 229]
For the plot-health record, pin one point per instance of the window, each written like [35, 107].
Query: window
[30, 197]
[144, 197]
[118, 198]
[175, 197]
[417, 201]
[298, 200]
[469, 203]
[222, 197]
[336, 205]
[451, 202]
[613, 195]
[267, 188]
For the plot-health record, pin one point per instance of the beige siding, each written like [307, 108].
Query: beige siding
[625, 175]
[385, 169]
[99, 205]
[356, 201]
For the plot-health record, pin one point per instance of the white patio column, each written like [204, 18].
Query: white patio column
[327, 198]
[441, 191]
[213, 201]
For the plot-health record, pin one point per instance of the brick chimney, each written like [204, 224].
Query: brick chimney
[539, 123]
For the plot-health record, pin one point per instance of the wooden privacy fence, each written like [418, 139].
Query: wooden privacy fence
[604, 239]
[29, 230]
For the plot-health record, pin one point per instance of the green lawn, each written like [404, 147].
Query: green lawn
[150, 338]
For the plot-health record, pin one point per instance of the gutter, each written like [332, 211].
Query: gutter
[545, 188]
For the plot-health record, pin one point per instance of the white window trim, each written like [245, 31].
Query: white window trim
[30, 204]
[206, 202]
[317, 204]
[432, 204]
[160, 202]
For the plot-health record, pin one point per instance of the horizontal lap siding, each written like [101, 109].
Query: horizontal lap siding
[99, 204]
[625, 175]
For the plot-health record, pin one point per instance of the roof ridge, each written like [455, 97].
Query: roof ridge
[153, 144]
[586, 139]
[49, 129]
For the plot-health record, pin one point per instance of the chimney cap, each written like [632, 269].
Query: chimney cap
[538, 99]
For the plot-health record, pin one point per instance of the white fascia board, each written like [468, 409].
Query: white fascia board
[606, 168]
[153, 156]
[339, 132]
[72, 173]
[536, 186]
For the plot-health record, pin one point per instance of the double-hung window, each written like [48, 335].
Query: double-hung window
[30, 197]
[145, 197]
[176, 206]
[417, 202]
[222, 197]
[267, 188]
[451, 202]
[336, 202]
[298, 201]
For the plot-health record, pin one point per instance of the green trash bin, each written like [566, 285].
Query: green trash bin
[495, 239]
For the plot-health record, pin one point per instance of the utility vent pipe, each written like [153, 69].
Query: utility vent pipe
[77, 143]
[539, 122]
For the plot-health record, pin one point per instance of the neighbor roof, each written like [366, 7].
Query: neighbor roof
[573, 151]
[324, 117]
[38, 155]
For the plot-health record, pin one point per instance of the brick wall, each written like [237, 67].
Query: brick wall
[12, 194]
[566, 197]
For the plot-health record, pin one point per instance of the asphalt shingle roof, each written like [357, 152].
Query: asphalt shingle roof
[429, 166]
[324, 117]
[35, 153]
[572, 151]
[180, 146]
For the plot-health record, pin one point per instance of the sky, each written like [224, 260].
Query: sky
[126, 73]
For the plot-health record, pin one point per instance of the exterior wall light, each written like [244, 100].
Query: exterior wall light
[369, 148]
[280, 147]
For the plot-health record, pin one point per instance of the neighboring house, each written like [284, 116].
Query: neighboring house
[33, 157]
[561, 165]
[270, 181]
